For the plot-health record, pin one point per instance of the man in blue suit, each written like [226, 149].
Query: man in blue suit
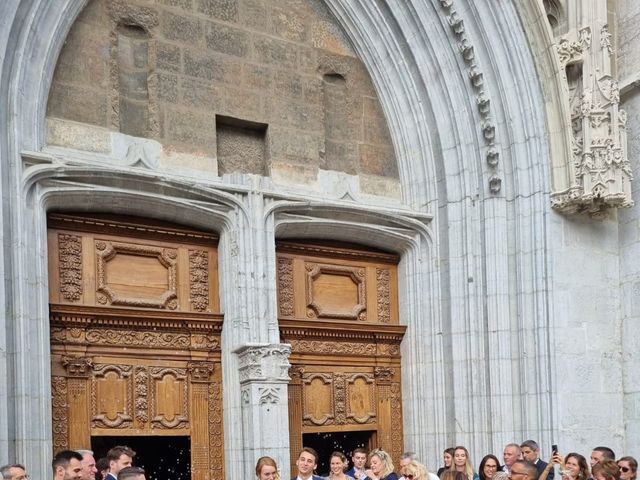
[306, 464]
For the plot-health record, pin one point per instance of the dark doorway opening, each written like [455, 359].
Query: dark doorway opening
[325, 443]
[161, 457]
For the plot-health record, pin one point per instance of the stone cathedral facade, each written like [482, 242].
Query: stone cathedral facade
[249, 224]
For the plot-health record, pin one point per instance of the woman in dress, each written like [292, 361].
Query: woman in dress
[338, 464]
[267, 469]
[575, 467]
[462, 463]
[488, 467]
[380, 466]
[447, 456]
[628, 468]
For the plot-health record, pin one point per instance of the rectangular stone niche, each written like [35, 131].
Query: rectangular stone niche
[242, 146]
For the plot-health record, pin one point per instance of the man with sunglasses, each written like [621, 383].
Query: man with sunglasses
[523, 470]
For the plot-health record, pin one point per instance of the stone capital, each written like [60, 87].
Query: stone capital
[261, 362]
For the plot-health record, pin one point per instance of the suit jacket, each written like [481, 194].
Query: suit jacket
[313, 477]
[110, 476]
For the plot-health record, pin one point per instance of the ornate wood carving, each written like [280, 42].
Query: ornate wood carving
[332, 348]
[340, 398]
[396, 420]
[141, 379]
[383, 297]
[317, 399]
[111, 396]
[320, 301]
[169, 398]
[60, 414]
[216, 450]
[70, 266]
[384, 375]
[361, 398]
[134, 338]
[77, 366]
[107, 251]
[199, 279]
[285, 287]
[200, 431]
[200, 371]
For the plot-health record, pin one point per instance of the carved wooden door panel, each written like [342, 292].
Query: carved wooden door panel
[338, 310]
[135, 335]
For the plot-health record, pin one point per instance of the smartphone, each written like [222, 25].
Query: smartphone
[554, 449]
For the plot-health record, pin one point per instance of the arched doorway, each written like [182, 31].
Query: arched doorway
[135, 337]
[338, 308]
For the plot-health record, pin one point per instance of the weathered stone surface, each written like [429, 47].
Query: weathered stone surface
[241, 150]
[191, 128]
[134, 117]
[378, 160]
[226, 10]
[211, 67]
[168, 57]
[286, 173]
[289, 25]
[181, 28]
[288, 84]
[78, 103]
[183, 4]
[133, 85]
[274, 52]
[231, 41]
[254, 14]
[257, 77]
[201, 95]
[168, 88]
[79, 136]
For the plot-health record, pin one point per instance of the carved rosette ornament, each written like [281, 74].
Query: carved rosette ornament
[384, 375]
[70, 269]
[141, 379]
[199, 279]
[600, 175]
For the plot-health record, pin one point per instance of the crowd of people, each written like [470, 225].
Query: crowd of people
[520, 462]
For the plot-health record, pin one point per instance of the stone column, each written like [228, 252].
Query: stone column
[264, 380]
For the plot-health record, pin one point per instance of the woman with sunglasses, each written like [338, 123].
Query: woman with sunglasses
[628, 468]
[488, 467]
[415, 471]
[380, 466]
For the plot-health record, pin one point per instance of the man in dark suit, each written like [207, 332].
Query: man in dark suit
[531, 453]
[119, 457]
[306, 464]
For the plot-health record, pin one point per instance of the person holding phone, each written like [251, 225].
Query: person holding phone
[531, 453]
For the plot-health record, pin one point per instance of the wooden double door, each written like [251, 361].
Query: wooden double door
[135, 336]
[338, 309]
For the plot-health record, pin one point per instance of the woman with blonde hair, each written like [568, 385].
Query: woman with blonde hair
[380, 466]
[462, 463]
[414, 470]
[267, 469]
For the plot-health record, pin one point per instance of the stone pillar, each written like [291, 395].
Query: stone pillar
[264, 380]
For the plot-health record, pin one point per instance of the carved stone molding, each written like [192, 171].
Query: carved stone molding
[333, 348]
[269, 395]
[259, 362]
[199, 279]
[106, 251]
[70, 269]
[135, 338]
[483, 100]
[285, 287]
[77, 366]
[600, 175]
[200, 371]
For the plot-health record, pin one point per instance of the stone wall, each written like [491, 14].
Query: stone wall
[183, 71]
